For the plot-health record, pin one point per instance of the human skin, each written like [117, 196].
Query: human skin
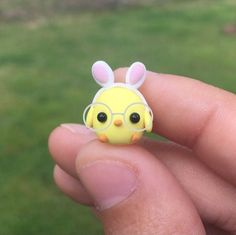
[185, 185]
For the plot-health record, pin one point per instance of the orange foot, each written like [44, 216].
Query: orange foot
[135, 138]
[103, 138]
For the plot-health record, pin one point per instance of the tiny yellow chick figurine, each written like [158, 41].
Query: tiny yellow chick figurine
[119, 114]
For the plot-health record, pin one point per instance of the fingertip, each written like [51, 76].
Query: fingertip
[67, 135]
[70, 186]
[64, 143]
[53, 140]
[119, 74]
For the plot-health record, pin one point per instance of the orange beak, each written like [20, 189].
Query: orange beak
[118, 122]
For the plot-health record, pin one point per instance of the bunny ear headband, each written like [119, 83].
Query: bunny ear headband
[103, 75]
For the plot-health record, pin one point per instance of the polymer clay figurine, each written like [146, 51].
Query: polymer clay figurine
[118, 114]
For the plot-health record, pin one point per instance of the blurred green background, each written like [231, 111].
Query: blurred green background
[46, 52]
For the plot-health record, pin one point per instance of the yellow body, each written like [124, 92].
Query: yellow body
[120, 130]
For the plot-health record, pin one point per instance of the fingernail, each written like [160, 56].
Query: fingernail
[76, 128]
[108, 182]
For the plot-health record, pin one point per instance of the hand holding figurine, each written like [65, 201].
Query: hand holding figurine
[185, 186]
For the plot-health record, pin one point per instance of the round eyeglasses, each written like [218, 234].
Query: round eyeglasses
[99, 116]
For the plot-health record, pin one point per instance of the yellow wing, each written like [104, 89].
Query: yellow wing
[148, 121]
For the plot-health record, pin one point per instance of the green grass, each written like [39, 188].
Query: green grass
[45, 80]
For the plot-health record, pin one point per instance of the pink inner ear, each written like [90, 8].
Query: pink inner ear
[100, 74]
[136, 74]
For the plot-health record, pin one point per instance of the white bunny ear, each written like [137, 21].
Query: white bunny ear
[136, 74]
[102, 73]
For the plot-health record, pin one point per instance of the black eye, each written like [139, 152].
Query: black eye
[102, 117]
[134, 117]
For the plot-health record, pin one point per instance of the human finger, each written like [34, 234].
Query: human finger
[196, 115]
[71, 186]
[213, 197]
[64, 143]
[205, 188]
[212, 230]
[134, 193]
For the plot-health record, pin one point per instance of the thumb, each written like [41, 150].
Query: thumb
[134, 193]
